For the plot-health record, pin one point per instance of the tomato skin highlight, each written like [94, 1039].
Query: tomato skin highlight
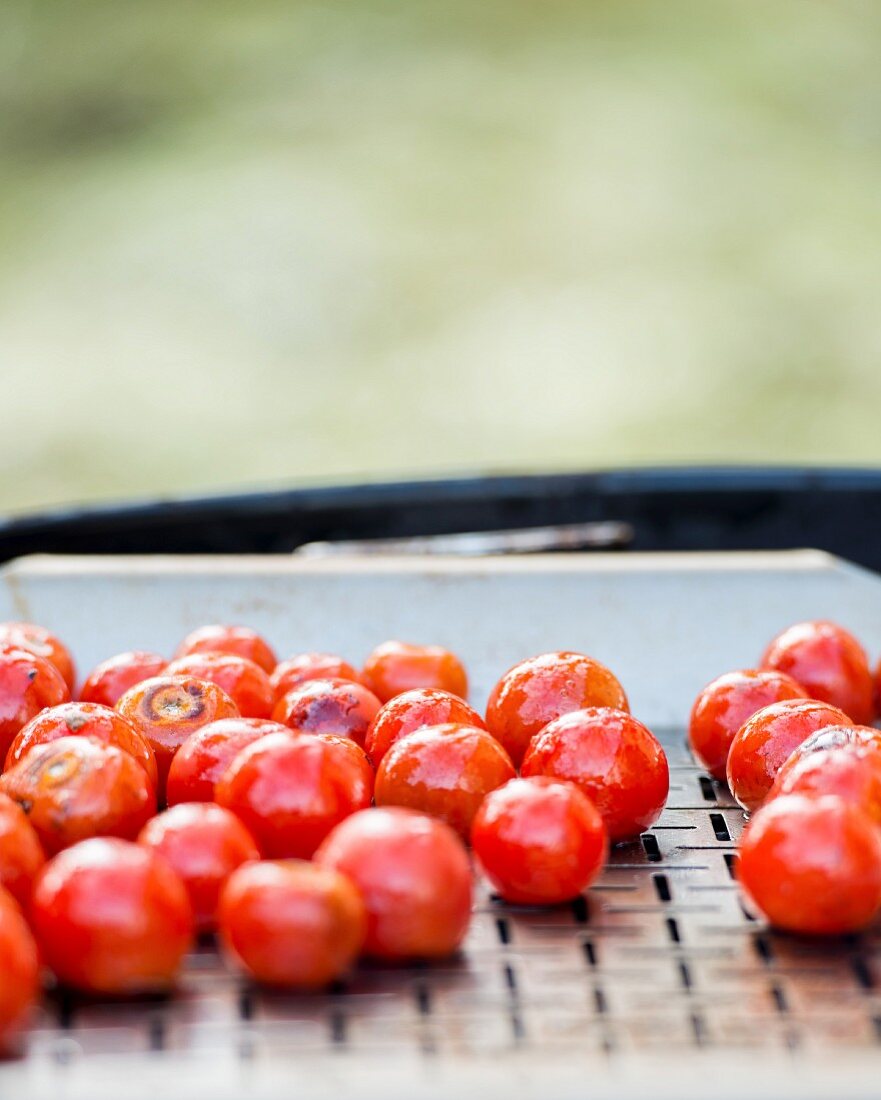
[111, 679]
[41, 642]
[244, 681]
[206, 754]
[28, 684]
[338, 707]
[395, 667]
[303, 667]
[851, 773]
[21, 854]
[414, 710]
[240, 641]
[20, 970]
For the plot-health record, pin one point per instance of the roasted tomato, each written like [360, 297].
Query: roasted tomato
[765, 741]
[852, 773]
[339, 707]
[725, 704]
[21, 855]
[445, 771]
[111, 917]
[38, 640]
[414, 710]
[829, 663]
[206, 754]
[538, 690]
[109, 681]
[28, 684]
[412, 872]
[394, 667]
[540, 841]
[241, 641]
[310, 666]
[291, 789]
[203, 844]
[20, 970]
[812, 865]
[75, 788]
[292, 924]
[243, 681]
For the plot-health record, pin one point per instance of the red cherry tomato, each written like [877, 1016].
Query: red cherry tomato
[20, 970]
[414, 710]
[167, 709]
[241, 641]
[812, 865]
[445, 771]
[21, 855]
[111, 679]
[203, 844]
[850, 772]
[206, 754]
[28, 684]
[310, 666]
[291, 789]
[243, 681]
[412, 872]
[84, 720]
[394, 667]
[725, 704]
[75, 788]
[292, 924]
[112, 917]
[765, 741]
[614, 759]
[836, 737]
[338, 707]
[38, 640]
[539, 841]
[829, 663]
[543, 688]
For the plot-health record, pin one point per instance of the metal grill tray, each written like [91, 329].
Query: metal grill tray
[657, 982]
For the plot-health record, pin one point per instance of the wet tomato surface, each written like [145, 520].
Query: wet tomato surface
[241, 641]
[20, 970]
[850, 772]
[21, 854]
[40, 641]
[298, 670]
[339, 707]
[394, 667]
[28, 684]
[111, 679]
[206, 754]
[243, 681]
[413, 710]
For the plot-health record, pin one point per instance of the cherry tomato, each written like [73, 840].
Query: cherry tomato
[836, 737]
[812, 865]
[414, 710]
[394, 667]
[726, 703]
[291, 789]
[445, 771]
[111, 917]
[20, 970]
[75, 788]
[203, 844]
[310, 666]
[38, 640]
[241, 641]
[109, 681]
[339, 707]
[614, 759]
[543, 688]
[243, 681]
[414, 876]
[84, 720]
[291, 923]
[766, 740]
[850, 772]
[829, 663]
[539, 841]
[27, 684]
[167, 709]
[21, 855]
[206, 754]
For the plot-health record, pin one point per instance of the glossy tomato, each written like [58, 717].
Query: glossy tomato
[394, 667]
[310, 666]
[206, 754]
[111, 679]
[243, 681]
[38, 640]
[20, 970]
[338, 707]
[21, 855]
[852, 773]
[238, 640]
[28, 684]
[414, 710]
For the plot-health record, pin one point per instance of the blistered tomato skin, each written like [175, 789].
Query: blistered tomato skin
[765, 741]
[38, 640]
[291, 924]
[395, 667]
[111, 679]
[112, 917]
[539, 841]
[540, 689]
[338, 707]
[614, 759]
[21, 854]
[241, 641]
[290, 790]
[20, 968]
[298, 670]
[244, 681]
[84, 720]
[812, 865]
[414, 710]
[850, 772]
[726, 703]
[414, 876]
[75, 788]
[203, 844]
[28, 684]
[829, 663]
[206, 754]
[445, 771]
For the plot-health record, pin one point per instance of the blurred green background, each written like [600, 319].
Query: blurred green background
[267, 242]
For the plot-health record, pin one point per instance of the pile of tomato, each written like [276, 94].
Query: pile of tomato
[305, 813]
